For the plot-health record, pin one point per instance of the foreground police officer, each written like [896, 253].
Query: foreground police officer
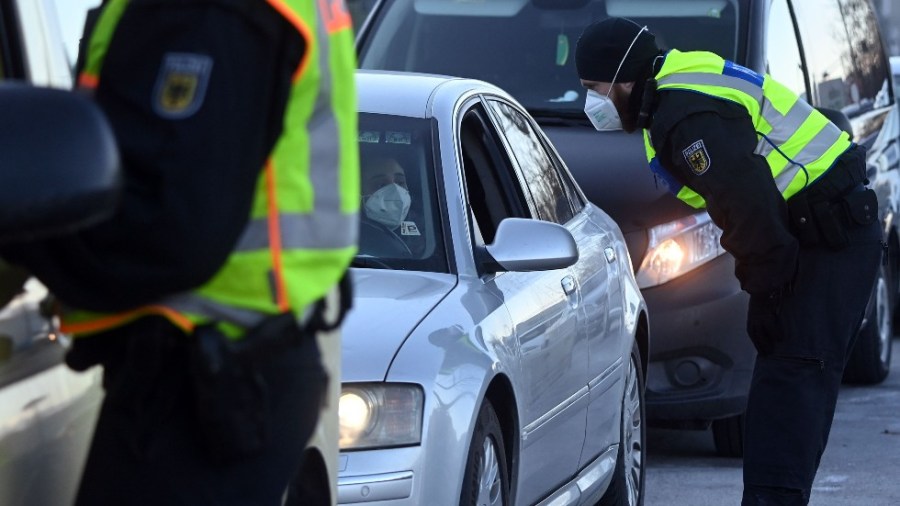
[786, 186]
[202, 295]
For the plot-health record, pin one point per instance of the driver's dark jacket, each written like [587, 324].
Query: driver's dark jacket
[739, 190]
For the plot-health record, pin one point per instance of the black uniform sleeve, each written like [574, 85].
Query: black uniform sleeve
[195, 93]
[740, 193]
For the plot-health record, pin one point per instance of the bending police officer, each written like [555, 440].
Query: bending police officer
[787, 188]
[236, 123]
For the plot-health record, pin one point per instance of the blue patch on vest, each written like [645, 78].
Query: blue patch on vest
[671, 183]
[734, 70]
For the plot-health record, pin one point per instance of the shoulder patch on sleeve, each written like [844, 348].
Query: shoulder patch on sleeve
[181, 84]
[697, 157]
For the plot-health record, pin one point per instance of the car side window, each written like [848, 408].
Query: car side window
[493, 190]
[782, 50]
[844, 56]
[575, 198]
[539, 173]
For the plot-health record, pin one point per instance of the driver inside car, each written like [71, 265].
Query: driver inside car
[386, 229]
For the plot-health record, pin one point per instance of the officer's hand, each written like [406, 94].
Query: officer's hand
[763, 322]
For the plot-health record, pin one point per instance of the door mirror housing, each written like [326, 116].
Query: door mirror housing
[59, 164]
[530, 245]
[838, 118]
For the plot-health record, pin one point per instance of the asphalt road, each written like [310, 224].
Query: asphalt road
[861, 465]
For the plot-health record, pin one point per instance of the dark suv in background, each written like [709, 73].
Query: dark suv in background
[828, 51]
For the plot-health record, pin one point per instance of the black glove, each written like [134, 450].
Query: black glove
[763, 321]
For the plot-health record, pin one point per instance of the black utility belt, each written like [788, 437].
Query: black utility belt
[231, 397]
[820, 222]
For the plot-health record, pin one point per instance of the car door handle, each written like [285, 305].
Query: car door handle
[610, 254]
[33, 403]
[568, 285]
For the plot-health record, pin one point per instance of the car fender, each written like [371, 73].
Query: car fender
[455, 354]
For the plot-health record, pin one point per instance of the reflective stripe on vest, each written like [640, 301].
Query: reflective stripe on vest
[798, 142]
[89, 76]
[302, 232]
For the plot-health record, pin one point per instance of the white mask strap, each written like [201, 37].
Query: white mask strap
[642, 30]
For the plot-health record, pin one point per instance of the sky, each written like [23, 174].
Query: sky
[71, 20]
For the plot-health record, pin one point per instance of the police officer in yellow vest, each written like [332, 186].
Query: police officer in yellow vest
[786, 186]
[201, 297]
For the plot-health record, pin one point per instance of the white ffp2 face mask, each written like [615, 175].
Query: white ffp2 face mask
[389, 205]
[602, 112]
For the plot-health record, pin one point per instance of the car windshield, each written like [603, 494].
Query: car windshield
[400, 217]
[527, 47]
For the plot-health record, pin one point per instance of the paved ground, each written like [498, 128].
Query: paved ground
[861, 465]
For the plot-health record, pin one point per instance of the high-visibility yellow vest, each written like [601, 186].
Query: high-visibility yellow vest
[302, 232]
[798, 142]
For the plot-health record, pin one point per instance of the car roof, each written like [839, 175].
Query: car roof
[413, 94]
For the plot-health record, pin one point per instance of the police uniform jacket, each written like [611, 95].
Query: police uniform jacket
[740, 193]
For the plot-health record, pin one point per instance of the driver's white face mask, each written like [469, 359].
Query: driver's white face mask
[600, 110]
[388, 205]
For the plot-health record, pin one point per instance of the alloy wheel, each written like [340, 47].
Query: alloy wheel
[489, 482]
[633, 429]
[883, 318]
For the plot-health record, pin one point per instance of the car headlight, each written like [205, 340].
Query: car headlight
[379, 415]
[678, 247]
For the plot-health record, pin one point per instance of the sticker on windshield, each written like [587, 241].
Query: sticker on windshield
[371, 137]
[409, 228]
[397, 138]
[697, 157]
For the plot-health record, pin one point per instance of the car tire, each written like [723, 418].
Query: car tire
[870, 360]
[486, 480]
[627, 485]
[728, 436]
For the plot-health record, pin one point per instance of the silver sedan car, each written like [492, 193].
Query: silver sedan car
[496, 347]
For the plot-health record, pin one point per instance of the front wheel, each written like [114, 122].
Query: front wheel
[486, 481]
[870, 360]
[627, 485]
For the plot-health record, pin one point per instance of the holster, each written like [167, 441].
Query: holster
[229, 387]
[823, 214]
[827, 223]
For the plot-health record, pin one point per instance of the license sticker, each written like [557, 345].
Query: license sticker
[409, 228]
[370, 137]
[397, 138]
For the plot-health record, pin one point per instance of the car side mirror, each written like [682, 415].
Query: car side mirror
[59, 165]
[530, 245]
[838, 118]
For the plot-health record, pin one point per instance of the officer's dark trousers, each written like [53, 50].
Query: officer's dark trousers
[146, 447]
[794, 390]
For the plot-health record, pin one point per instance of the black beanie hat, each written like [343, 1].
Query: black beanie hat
[603, 44]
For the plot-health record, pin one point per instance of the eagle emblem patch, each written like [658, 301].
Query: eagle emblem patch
[697, 157]
[181, 84]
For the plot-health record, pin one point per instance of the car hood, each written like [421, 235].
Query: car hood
[387, 307]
